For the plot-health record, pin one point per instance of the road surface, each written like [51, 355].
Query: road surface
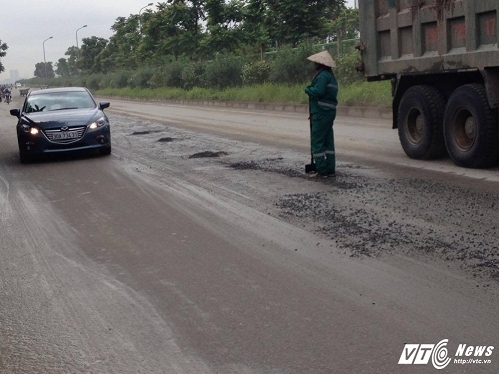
[199, 246]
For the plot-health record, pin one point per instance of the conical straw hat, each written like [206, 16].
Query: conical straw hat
[323, 58]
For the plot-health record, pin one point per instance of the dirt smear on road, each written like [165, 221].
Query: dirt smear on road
[268, 165]
[363, 212]
[166, 140]
[208, 154]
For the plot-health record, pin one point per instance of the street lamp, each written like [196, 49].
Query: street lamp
[45, 61]
[140, 19]
[77, 50]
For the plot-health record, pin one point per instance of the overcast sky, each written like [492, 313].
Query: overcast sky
[25, 24]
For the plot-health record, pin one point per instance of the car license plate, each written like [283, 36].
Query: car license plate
[65, 135]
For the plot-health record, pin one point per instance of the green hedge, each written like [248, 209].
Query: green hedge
[223, 73]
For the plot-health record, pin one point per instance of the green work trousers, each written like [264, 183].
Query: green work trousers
[323, 142]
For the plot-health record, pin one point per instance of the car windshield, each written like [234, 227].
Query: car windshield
[47, 102]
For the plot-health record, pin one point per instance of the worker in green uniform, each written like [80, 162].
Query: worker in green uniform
[323, 92]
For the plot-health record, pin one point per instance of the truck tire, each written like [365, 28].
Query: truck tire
[420, 123]
[470, 128]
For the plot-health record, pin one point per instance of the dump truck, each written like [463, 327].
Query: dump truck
[442, 58]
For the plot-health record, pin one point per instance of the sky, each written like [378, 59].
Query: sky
[25, 24]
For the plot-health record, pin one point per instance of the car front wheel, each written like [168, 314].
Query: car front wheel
[24, 157]
[105, 151]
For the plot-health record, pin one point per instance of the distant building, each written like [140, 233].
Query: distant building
[14, 76]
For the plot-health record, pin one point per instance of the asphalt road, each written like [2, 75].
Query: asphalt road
[199, 246]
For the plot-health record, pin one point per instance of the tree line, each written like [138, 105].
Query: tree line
[201, 30]
[3, 53]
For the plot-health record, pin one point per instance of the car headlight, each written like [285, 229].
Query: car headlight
[29, 129]
[100, 122]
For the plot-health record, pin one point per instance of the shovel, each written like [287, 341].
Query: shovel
[309, 168]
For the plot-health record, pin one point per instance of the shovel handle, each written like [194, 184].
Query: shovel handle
[311, 152]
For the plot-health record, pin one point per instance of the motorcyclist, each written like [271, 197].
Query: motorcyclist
[8, 95]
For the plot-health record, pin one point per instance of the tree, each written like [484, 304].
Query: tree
[288, 22]
[254, 30]
[90, 49]
[105, 61]
[224, 25]
[120, 51]
[293, 21]
[43, 70]
[344, 25]
[3, 53]
[180, 28]
[72, 54]
[62, 68]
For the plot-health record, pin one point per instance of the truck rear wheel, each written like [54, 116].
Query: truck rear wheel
[420, 123]
[470, 128]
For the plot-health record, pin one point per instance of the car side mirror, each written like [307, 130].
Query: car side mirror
[104, 105]
[15, 113]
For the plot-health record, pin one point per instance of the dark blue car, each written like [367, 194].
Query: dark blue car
[61, 120]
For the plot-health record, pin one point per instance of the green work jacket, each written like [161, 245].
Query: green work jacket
[323, 92]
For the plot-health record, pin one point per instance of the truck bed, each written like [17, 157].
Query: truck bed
[427, 36]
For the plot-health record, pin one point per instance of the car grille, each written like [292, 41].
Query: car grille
[52, 135]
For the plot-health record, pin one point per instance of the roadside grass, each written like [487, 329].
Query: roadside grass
[367, 94]
[374, 94]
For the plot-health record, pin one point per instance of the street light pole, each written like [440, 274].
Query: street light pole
[77, 49]
[140, 19]
[44, 60]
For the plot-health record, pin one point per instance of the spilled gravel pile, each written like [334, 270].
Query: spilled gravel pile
[418, 217]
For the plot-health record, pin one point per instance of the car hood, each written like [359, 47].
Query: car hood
[58, 119]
